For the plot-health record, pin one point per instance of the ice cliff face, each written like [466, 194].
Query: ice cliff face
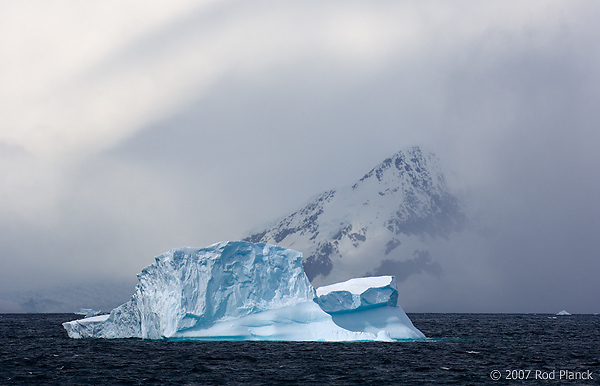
[386, 217]
[229, 290]
[188, 287]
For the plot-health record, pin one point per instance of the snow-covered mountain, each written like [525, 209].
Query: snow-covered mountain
[382, 224]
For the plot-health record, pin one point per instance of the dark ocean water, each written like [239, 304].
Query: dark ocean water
[463, 349]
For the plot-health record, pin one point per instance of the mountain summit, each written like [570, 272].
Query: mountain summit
[381, 223]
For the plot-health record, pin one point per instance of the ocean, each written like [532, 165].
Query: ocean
[461, 349]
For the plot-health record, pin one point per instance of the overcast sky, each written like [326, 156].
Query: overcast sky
[128, 128]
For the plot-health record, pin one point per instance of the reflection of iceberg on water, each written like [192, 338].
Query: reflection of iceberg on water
[563, 313]
[246, 291]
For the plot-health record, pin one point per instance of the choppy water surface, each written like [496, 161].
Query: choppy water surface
[462, 349]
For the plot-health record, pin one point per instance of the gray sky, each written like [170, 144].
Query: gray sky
[129, 128]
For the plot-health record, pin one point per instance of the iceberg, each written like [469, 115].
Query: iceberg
[358, 294]
[563, 313]
[237, 290]
[368, 304]
[88, 312]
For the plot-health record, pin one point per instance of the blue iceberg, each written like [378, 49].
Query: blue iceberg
[245, 291]
[368, 304]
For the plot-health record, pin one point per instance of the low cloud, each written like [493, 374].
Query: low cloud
[130, 130]
[420, 263]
